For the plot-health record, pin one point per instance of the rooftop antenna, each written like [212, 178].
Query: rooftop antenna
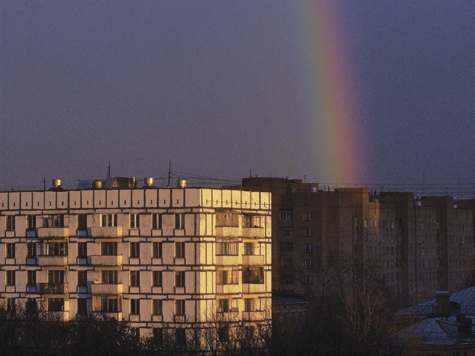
[44, 183]
[109, 171]
[169, 172]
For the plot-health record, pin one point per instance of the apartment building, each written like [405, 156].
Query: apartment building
[346, 237]
[169, 258]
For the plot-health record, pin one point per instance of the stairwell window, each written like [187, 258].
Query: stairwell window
[157, 221]
[156, 249]
[10, 253]
[135, 306]
[157, 307]
[157, 278]
[179, 221]
[179, 278]
[134, 249]
[134, 221]
[10, 222]
[179, 249]
[134, 278]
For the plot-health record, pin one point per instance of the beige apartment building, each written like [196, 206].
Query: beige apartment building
[169, 258]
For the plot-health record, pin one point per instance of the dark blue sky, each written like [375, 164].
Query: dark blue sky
[216, 87]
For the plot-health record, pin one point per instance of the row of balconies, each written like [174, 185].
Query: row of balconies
[62, 260]
[117, 232]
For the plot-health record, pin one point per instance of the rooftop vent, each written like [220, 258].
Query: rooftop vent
[182, 183]
[56, 183]
[148, 181]
[97, 184]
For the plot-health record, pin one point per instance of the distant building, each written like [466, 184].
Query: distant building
[342, 238]
[162, 259]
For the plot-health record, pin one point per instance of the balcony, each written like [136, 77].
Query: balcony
[253, 260]
[254, 315]
[228, 231]
[45, 260]
[31, 233]
[57, 315]
[254, 232]
[105, 288]
[228, 288]
[108, 315]
[253, 288]
[53, 232]
[106, 231]
[52, 288]
[224, 260]
[106, 260]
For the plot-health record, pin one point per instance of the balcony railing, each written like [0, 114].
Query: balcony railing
[106, 231]
[109, 315]
[253, 260]
[253, 232]
[52, 288]
[53, 232]
[106, 260]
[253, 315]
[105, 288]
[45, 260]
[57, 315]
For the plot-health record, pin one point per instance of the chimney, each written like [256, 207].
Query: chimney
[442, 303]
[465, 325]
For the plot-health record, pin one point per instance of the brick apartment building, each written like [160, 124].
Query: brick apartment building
[412, 246]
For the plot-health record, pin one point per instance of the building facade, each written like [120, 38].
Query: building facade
[174, 258]
[338, 239]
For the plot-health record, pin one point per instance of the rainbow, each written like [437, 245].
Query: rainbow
[330, 92]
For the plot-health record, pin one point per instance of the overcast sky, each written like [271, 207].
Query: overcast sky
[218, 88]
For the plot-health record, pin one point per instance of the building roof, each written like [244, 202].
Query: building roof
[462, 301]
[441, 331]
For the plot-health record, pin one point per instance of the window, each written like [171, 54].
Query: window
[109, 248]
[10, 278]
[31, 307]
[10, 222]
[307, 264]
[157, 278]
[286, 247]
[134, 249]
[54, 249]
[55, 277]
[82, 221]
[179, 249]
[82, 249]
[10, 250]
[286, 232]
[157, 221]
[108, 220]
[134, 221]
[248, 304]
[109, 304]
[135, 278]
[11, 305]
[307, 232]
[179, 221]
[55, 220]
[180, 337]
[287, 279]
[307, 217]
[156, 249]
[224, 331]
[82, 306]
[249, 248]
[109, 277]
[223, 305]
[31, 222]
[56, 304]
[307, 280]
[253, 275]
[31, 250]
[179, 307]
[157, 307]
[135, 306]
[286, 215]
[82, 278]
[286, 263]
[227, 248]
[227, 277]
[157, 335]
[31, 277]
[179, 278]
[307, 248]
